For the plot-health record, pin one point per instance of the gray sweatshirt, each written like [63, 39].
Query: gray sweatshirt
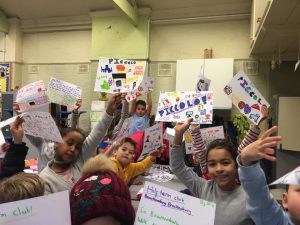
[230, 205]
[54, 182]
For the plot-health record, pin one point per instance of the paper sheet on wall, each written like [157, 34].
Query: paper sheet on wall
[38, 210]
[202, 83]
[212, 133]
[41, 124]
[63, 93]
[246, 97]
[292, 177]
[153, 140]
[32, 95]
[119, 75]
[178, 106]
[146, 85]
[163, 206]
[98, 105]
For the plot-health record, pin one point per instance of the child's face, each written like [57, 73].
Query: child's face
[125, 153]
[70, 149]
[291, 202]
[140, 110]
[222, 169]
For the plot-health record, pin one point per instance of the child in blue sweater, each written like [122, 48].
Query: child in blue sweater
[260, 204]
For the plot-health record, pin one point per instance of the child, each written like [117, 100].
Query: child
[64, 170]
[123, 157]
[100, 196]
[140, 114]
[45, 147]
[15, 155]
[200, 148]
[222, 189]
[261, 206]
[21, 186]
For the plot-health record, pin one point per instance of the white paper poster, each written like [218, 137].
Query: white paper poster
[32, 95]
[246, 97]
[153, 140]
[119, 75]
[178, 106]
[160, 173]
[63, 93]
[41, 124]
[212, 133]
[47, 210]
[146, 85]
[169, 134]
[163, 206]
[98, 105]
[292, 177]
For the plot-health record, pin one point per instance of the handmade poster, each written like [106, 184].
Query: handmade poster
[160, 173]
[212, 133]
[8, 121]
[292, 177]
[164, 206]
[32, 95]
[124, 131]
[178, 106]
[41, 124]
[2, 141]
[40, 210]
[98, 105]
[63, 93]
[119, 75]
[146, 85]
[246, 97]
[169, 134]
[202, 83]
[188, 143]
[153, 140]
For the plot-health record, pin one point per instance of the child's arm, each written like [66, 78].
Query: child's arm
[140, 167]
[185, 174]
[124, 115]
[76, 114]
[261, 206]
[149, 103]
[93, 139]
[14, 159]
[133, 106]
[109, 152]
[253, 132]
[199, 147]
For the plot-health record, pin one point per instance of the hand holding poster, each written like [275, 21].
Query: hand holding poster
[32, 95]
[41, 210]
[153, 140]
[246, 97]
[63, 93]
[119, 75]
[178, 106]
[292, 177]
[146, 85]
[41, 124]
[163, 206]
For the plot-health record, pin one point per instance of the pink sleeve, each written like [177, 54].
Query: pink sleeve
[199, 148]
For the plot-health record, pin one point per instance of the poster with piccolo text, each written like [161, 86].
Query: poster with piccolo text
[32, 95]
[164, 206]
[41, 124]
[246, 97]
[63, 93]
[212, 133]
[146, 85]
[178, 106]
[119, 75]
[39, 210]
[292, 177]
[153, 140]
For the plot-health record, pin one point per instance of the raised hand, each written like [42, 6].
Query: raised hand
[16, 108]
[78, 105]
[179, 131]
[261, 149]
[17, 131]
[113, 103]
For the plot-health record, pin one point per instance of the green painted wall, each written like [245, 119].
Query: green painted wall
[3, 23]
[116, 37]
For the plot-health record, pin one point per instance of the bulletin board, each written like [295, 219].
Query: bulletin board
[5, 77]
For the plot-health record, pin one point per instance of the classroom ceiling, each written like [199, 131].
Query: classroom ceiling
[161, 9]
